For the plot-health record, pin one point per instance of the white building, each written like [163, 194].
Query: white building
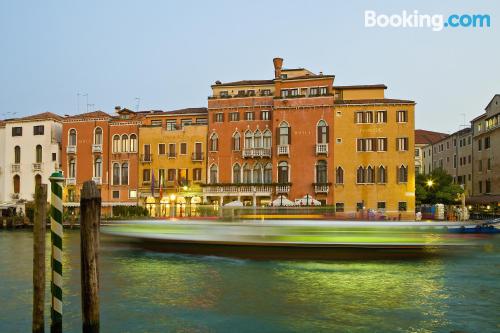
[30, 148]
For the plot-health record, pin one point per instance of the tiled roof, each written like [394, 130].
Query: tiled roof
[88, 115]
[428, 137]
[310, 76]
[362, 86]
[40, 116]
[201, 111]
[244, 83]
[374, 101]
[2, 123]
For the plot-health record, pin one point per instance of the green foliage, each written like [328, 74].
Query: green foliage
[129, 211]
[442, 189]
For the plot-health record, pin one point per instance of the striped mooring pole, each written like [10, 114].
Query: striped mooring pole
[56, 228]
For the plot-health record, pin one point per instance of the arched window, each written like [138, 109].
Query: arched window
[125, 173]
[116, 143]
[124, 143]
[17, 154]
[339, 175]
[248, 139]
[382, 175]
[370, 175]
[322, 129]
[360, 175]
[17, 183]
[283, 176]
[98, 167]
[72, 137]
[267, 139]
[236, 173]
[247, 174]
[268, 174]
[133, 143]
[402, 174]
[321, 172]
[98, 136]
[257, 139]
[257, 174]
[213, 174]
[116, 174]
[38, 154]
[72, 168]
[236, 141]
[284, 134]
[214, 142]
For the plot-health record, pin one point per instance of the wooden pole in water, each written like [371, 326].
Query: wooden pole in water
[39, 229]
[90, 218]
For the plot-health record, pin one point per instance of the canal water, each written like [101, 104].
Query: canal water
[154, 292]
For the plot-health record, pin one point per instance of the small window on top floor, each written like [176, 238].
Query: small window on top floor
[265, 92]
[186, 122]
[284, 76]
[54, 157]
[38, 130]
[265, 115]
[224, 93]
[201, 120]
[17, 131]
[156, 122]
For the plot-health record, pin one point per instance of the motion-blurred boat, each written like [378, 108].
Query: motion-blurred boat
[486, 227]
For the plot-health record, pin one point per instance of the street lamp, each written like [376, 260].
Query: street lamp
[430, 183]
[172, 204]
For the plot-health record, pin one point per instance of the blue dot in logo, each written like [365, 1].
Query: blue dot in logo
[446, 24]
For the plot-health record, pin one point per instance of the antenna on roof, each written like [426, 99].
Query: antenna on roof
[87, 100]
[137, 103]
[464, 125]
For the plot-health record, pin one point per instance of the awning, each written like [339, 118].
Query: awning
[483, 199]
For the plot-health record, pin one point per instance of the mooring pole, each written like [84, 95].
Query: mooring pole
[39, 228]
[90, 218]
[56, 228]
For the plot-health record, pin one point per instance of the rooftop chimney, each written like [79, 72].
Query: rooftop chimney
[117, 108]
[278, 63]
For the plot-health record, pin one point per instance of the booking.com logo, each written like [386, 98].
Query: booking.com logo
[436, 22]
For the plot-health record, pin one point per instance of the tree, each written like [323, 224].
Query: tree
[437, 187]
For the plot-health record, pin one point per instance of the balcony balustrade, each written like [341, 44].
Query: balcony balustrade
[238, 189]
[97, 148]
[322, 148]
[283, 150]
[70, 181]
[97, 180]
[146, 158]
[71, 149]
[280, 189]
[256, 152]
[16, 167]
[197, 157]
[37, 166]
[321, 188]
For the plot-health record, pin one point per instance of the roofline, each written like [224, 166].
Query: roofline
[491, 101]
[362, 86]
[395, 102]
[270, 83]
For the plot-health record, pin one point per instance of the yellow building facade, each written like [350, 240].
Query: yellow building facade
[172, 163]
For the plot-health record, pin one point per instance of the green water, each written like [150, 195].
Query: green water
[152, 292]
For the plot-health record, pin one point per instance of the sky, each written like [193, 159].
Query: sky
[56, 54]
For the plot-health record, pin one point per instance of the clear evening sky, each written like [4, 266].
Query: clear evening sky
[168, 53]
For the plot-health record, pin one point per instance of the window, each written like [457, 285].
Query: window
[339, 140]
[116, 194]
[248, 139]
[313, 92]
[339, 175]
[360, 206]
[402, 144]
[321, 172]
[72, 168]
[38, 130]
[322, 132]
[267, 139]
[186, 122]
[133, 143]
[249, 115]
[417, 152]
[98, 136]
[213, 174]
[402, 206]
[116, 143]
[156, 122]
[72, 137]
[487, 186]
[116, 174]
[241, 93]
[381, 205]
[265, 115]
[171, 175]
[359, 117]
[17, 131]
[480, 165]
[171, 125]
[257, 139]
[196, 174]
[161, 149]
[247, 174]
[368, 117]
[171, 150]
[146, 175]
[38, 154]
[236, 141]
[360, 175]
[284, 93]
[323, 91]
[161, 177]
[183, 148]
[234, 116]
[370, 175]
[268, 173]
[381, 116]
[454, 161]
[339, 207]
[17, 183]
[382, 144]
[402, 174]
[488, 165]
[224, 93]
[125, 173]
[479, 145]
[17, 155]
[124, 143]
[214, 142]
[257, 174]
[98, 168]
[283, 172]
[487, 142]
[236, 174]
[201, 121]
[219, 117]
[265, 92]
[402, 116]
[382, 175]
[284, 134]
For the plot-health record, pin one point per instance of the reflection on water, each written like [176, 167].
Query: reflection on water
[152, 292]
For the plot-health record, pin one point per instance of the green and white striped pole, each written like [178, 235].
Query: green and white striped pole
[56, 228]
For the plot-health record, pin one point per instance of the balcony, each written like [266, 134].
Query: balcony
[321, 188]
[97, 180]
[71, 149]
[171, 155]
[146, 158]
[197, 157]
[15, 167]
[37, 166]
[256, 152]
[322, 149]
[14, 196]
[282, 189]
[70, 181]
[243, 190]
[97, 148]
[283, 150]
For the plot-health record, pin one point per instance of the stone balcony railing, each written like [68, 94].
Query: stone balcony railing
[37, 166]
[97, 148]
[70, 181]
[16, 167]
[197, 157]
[280, 189]
[283, 150]
[238, 189]
[322, 148]
[256, 152]
[321, 188]
[97, 180]
[71, 149]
